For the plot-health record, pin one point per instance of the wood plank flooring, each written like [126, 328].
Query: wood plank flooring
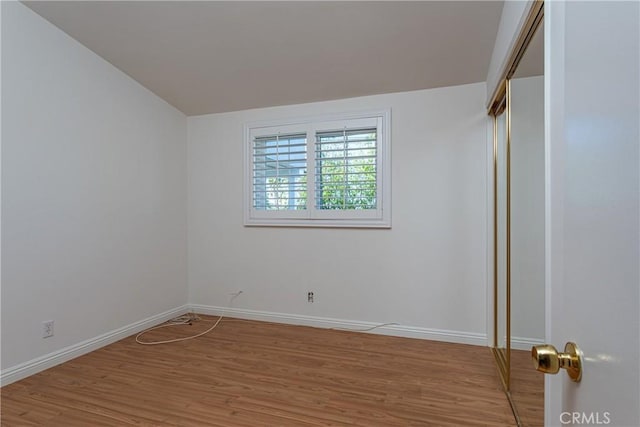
[527, 389]
[247, 373]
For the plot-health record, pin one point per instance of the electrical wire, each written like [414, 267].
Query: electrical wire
[189, 318]
[364, 330]
[185, 319]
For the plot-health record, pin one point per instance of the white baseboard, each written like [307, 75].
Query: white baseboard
[325, 322]
[23, 370]
[519, 343]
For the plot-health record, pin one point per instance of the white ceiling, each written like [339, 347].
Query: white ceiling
[210, 56]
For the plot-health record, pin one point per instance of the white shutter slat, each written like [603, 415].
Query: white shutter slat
[279, 172]
[346, 169]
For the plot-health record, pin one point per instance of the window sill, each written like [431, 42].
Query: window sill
[318, 223]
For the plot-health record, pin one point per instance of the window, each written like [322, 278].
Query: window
[329, 171]
[280, 172]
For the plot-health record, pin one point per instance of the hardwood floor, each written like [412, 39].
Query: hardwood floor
[527, 389]
[247, 373]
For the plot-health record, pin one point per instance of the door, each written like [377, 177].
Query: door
[592, 208]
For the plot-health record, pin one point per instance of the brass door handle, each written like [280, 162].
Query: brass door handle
[547, 359]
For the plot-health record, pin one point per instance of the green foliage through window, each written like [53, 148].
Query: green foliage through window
[346, 172]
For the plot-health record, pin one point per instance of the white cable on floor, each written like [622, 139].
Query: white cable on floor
[364, 330]
[185, 319]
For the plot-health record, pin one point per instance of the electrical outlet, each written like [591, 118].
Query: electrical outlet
[309, 296]
[47, 328]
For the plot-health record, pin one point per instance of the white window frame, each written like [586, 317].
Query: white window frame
[312, 217]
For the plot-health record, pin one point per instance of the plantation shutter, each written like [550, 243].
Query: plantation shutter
[280, 172]
[326, 171]
[346, 169]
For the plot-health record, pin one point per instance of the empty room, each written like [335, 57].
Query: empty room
[304, 213]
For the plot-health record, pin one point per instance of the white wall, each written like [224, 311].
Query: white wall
[93, 193]
[527, 211]
[428, 271]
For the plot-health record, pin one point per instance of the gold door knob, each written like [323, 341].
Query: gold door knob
[547, 359]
